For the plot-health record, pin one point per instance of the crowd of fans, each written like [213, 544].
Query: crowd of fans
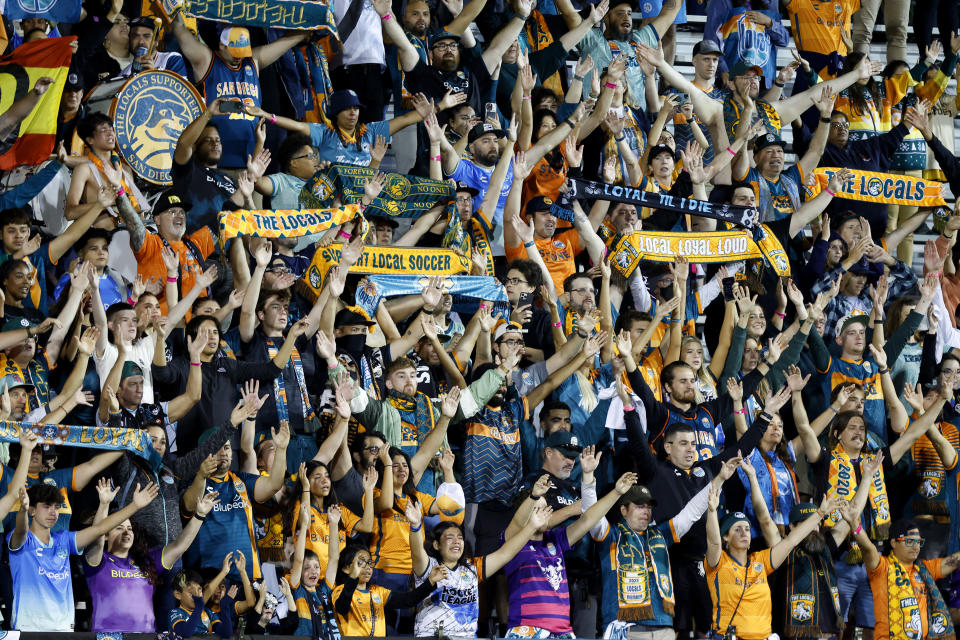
[692, 448]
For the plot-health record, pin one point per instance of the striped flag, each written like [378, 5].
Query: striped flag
[19, 72]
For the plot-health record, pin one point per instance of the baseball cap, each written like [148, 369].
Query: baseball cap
[436, 36]
[761, 142]
[638, 494]
[861, 267]
[343, 99]
[507, 327]
[483, 129]
[130, 369]
[706, 46]
[657, 149]
[854, 316]
[350, 315]
[13, 381]
[563, 440]
[144, 21]
[539, 203]
[171, 199]
[731, 519]
[12, 324]
[801, 511]
[384, 220]
[463, 186]
[742, 67]
[237, 42]
[902, 527]
[74, 82]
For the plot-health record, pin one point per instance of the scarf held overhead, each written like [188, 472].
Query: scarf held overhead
[889, 188]
[283, 223]
[135, 441]
[386, 260]
[741, 216]
[374, 288]
[402, 196]
[704, 246]
[283, 14]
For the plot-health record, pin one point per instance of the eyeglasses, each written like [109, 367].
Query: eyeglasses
[373, 450]
[279, 269]
[464, 198]
[913, 542]
[363, 563]
[583, 291]
[312, 155]
[845, 126]
[446, 46]
[512, 342]
[514, 281]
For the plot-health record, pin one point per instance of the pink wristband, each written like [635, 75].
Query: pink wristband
[610, 85]
[731, 151]
[437, 158]
[859, 529]
[386, 17]
[273, 119]
[341, 234]
[120, 191]
[628, 409]
[831, 193]
[935, 274]
[131, 301]
[741, 412]
[556, 324]
[333, 367]
[779, 315]
[196, 364]
[169, 279]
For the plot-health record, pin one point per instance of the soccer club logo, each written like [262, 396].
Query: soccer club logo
[37, 6]
[874, 187]
[149, 113]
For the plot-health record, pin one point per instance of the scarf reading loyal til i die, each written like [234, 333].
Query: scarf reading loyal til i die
[903, 606]
[634, 573]
[843, 483]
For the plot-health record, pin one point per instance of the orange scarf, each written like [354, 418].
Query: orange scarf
[98, 163]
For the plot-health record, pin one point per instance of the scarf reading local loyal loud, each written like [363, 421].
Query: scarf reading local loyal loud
[842, 483]
[805, 595]
[417, 416]
[310, 422]
[634, 595]
[903, 605]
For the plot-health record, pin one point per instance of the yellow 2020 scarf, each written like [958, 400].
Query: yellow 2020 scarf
[843, 483]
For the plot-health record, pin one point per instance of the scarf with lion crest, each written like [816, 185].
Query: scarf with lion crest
[903, 605]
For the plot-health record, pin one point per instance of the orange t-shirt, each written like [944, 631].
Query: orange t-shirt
[881, 594]
[150, 264]
[544, 180]
[318, 535]
[558, 253]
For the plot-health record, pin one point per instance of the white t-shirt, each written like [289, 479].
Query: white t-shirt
[454, 602]
[141, 353]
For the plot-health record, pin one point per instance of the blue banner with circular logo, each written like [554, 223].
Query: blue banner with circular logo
[150, 112]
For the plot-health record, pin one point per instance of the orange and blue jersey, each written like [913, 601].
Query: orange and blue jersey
[236, 129]
[741, 591]
[935, 492]
[864, 373]
[390, 546]
[877, 118]
[492, 452]
[367, 617]
[229, 526]
[819, 25]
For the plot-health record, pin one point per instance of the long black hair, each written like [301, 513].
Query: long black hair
[858, 93]
[408, 489]
[140, 554]
[553, 157]
[437, 533]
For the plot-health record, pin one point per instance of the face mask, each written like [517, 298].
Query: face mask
[495, 402]
[352, 344]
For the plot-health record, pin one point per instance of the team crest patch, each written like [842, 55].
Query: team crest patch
[149, 113]
[801, 607]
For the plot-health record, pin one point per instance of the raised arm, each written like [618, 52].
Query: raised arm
[780, 551]
[193, 49]
[406, 54]
[582, 525]
[265, 55]
[493, 55]
[141, 498]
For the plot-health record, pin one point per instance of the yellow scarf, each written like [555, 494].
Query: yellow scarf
[843, 483]
[903, 606]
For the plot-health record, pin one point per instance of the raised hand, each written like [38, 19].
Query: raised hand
[625, 482]
[735, 389]
[373, 186]
[450, 403]
[106, 492]
[590, 459]
[370, 478]
[872, 464]
[795, 379]
[344, 394]
[206, 502]
[281, 438]
[143, 497]
[379, 150]
[440, 572]
[334, 515]
[773, 403]
[432, 292]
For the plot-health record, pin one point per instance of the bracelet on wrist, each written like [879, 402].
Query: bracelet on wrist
[829, 192]
[610, 85]
[832, 409]
[731, 151]
[883, 371]
[196, 364]
[386, 17]
[557, 325]
[529, 244]
[578, 78]
[825, 119]
[583, 336]
[415, 529]
[171, 280]
[777, 83]
[741, 412]
[780, 315]
[199, 517]
[621, 138]
[859, 530]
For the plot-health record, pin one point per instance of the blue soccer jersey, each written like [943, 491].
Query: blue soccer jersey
[42, 589]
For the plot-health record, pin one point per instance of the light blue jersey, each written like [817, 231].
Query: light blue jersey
[43, 591]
